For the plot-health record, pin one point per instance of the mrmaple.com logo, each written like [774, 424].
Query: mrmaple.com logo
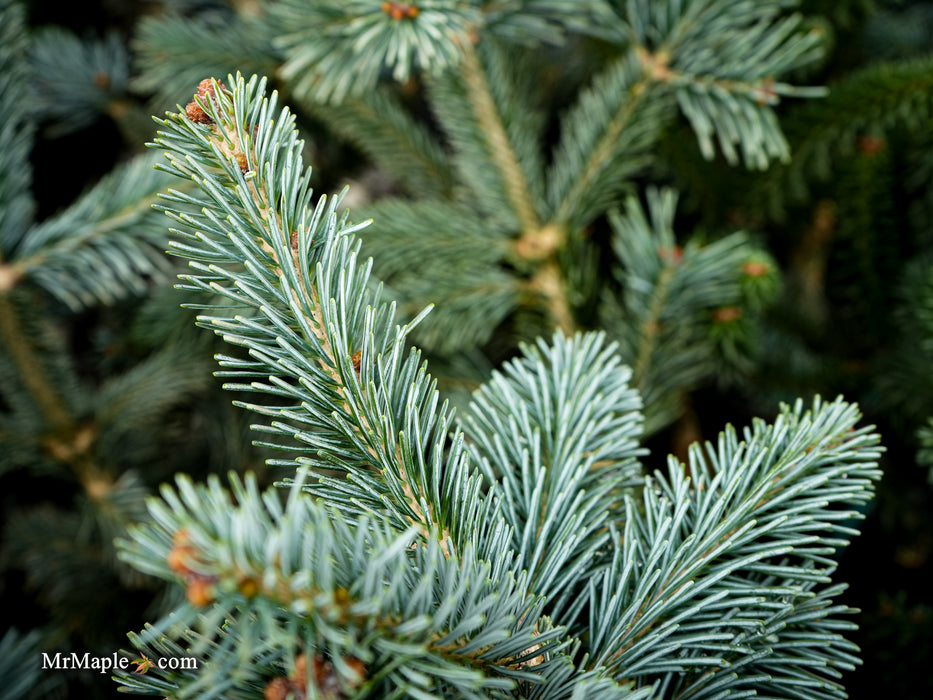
[105, 664]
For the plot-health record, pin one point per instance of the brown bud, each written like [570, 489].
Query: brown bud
[277, 689]
[325, 678]
[299, 679]
[200, 592]
[326, 681]
[358, 668]
[870, 145]
[241, 160]
[206, 87]
[727, 314]
[671, 254]
[181, 554]
[341, 594]
[400, 10]
[193, 110]
[765, 94]
[101, 80]
[194, 113]
[356, 358]
[248, 587]
[177, 560]
[756, 268]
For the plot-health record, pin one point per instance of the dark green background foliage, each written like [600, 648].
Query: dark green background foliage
[848, 220]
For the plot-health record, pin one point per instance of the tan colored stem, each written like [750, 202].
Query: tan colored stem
[538, 242]
[547, 282]
[67, 441]
[31, 371]
[536, 245]
[540, 248]
[497, 141]
[10, 276]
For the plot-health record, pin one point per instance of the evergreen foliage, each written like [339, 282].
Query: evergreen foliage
[556, 507]
[671, 293]
[599, 231]
[77, 81]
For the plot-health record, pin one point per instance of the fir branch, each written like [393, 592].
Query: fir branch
[722, 59]
[324, 336]
[493, 134]
[673, 298]
[742, 516]
[115, 249]
[355, 592]
[323, 43]
[78, 81]
[16, 136]
[497, 154]
[604, 141]
[51, 421]
[557, 432]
